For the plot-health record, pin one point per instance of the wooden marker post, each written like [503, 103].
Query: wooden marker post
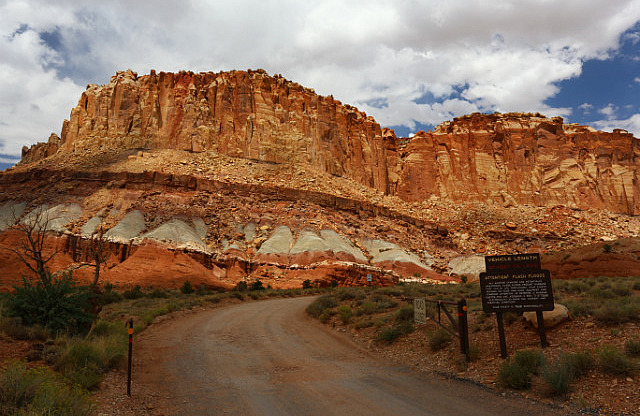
[130, 332]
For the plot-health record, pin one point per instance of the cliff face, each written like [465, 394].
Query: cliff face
[521, 159]
[244, 114]
[508, 159]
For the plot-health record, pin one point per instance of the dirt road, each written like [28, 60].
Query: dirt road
[269, 358]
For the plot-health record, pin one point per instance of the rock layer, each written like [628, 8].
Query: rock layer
[506, 158]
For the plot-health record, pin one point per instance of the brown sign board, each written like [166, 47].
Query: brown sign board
[516, 291]
[512, 262]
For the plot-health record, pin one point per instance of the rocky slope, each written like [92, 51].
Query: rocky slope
[220, 177]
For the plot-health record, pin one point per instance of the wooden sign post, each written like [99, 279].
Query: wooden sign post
[516, 283]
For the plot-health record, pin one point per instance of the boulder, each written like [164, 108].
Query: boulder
[559, 314]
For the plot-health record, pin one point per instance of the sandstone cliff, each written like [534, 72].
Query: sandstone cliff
[521, 159]
[508, 159]
[244, 114]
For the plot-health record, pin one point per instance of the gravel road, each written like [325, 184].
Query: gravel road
[269, 358]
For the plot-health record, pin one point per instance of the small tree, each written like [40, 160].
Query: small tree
[53, 301]
[98, 253]
[257, 285]
[30, 251]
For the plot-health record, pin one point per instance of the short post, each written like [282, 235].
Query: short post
[463, 328]
[503, 339]
[541, 330]
[130, 332]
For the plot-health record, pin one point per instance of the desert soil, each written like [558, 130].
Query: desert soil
[268, 357]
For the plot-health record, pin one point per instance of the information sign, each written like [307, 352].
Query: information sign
[512, 262]
[420, 310]
[518, 292]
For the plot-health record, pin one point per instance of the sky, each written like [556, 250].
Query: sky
[411, 64]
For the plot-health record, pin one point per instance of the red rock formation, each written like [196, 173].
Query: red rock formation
[505, 158]
[245, 114]
[521, 159]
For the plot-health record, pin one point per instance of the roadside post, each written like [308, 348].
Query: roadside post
[516, 283]
[130, 332]
[459, 328]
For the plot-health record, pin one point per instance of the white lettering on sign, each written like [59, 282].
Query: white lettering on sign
[420, 310]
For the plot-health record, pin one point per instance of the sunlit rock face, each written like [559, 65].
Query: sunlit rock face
[246, 114]
[521, 159]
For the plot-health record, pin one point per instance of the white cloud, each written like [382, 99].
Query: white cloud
[426, 60]
[609, 111]
[631, 124]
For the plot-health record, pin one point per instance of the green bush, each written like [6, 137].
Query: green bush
[38, 391]
[367, 308]
[612, 361]
[405, 314]
[558, 374]
[257, 285]
[326, 315]
[618, 311]
[345, 312]
[513, 375]
[158, 294]
[84, 361]
[580, 362]
[186, 288]
[306, 284]
[133, 293]
[529, 359]
[53, 302]
[320, 304]
[241, 286]
[439, 339]
[388, 335]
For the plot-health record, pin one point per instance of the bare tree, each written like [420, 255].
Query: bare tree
[31, 250]
[98, 252]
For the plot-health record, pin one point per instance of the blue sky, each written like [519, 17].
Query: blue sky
[410, 64]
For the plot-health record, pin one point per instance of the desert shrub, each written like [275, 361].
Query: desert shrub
[618, 311]
[405, 327]
[580, 362]
[578, 287]
[367, 308]
[622, 289]
[632, 347]
[345, 312]
[613, 361]
[133, 293]
[53, 302]
[186, 288]
[38, 391]
[364, 323]
[158, 294]
[405, 314]
[383, 301]
[256, 285]
[320, 304]
[108, 296]
[558, 374]
[237, 294]
[529, 359]
[439, 339]
[202, 290]
[241, 286]
[306, 284]
[84, 361]
[510, 317]
[350, 293]
[513, 375]
[255, 295]
[326, 315]
[607, 248]
[388, 335]
[636, 285]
